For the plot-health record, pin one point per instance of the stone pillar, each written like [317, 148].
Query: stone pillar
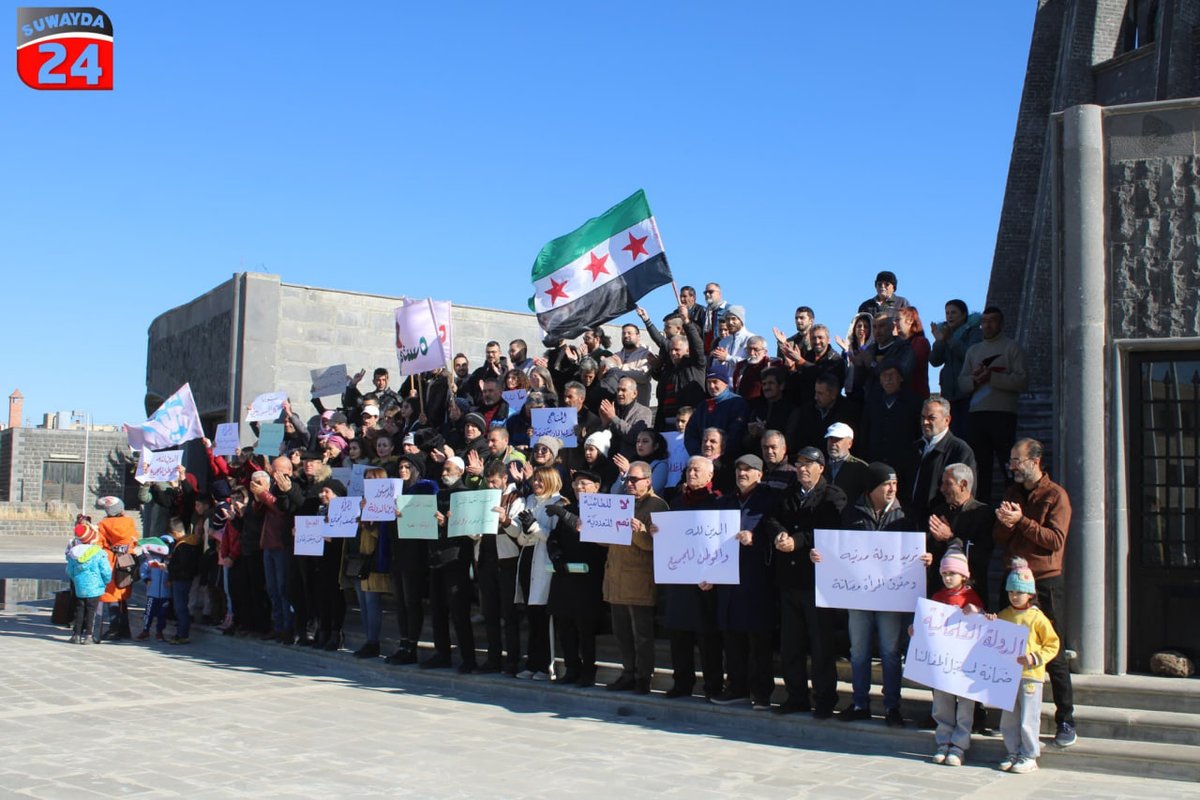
[1081, 368]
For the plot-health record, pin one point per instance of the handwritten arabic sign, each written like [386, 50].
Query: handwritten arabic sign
[310, 536]
[418, 516]
[558, 422]
[343, 517]
[696, 546]
[328, 381]
[869, 570]
[158, 467]
[228, 440]
[266, 407]
[471, 513]
[966, 654]
[677, 457]
[515, 399]
[380, 496]
[606, 518]
[270, 437]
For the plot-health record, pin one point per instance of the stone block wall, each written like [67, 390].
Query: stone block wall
[191, 344]
[1153, 205]
[27, 449]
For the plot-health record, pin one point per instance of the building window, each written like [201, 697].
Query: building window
[1166, 445]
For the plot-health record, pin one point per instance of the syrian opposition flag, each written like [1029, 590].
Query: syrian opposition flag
[598, 271]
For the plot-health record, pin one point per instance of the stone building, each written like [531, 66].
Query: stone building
[40, 467]
[255, 333]
[1096, 263]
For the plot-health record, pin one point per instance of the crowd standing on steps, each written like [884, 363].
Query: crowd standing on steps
[817, 436]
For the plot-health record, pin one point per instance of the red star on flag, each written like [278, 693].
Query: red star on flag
[636, 246]
[556, 291]
[597, 266]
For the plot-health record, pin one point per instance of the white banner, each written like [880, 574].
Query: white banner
[329, 381]
[606, 518]
[175, 422]
[869, 570]
[310, 536]
[418, 342]
[266, 407]
[558, 422]
[343, 516]
[515, 399]
[966, 654]
[696, 546]
[380, 497]
[158, 467]
[228, 440]
[677, 457]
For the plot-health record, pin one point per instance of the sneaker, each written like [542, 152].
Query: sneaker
[1066, 736]
[729, 699]
[1024, 765]
[180, 640]
[954, 758]
[525, 674]
[894, 718]
[853, 713]
[1009, 760]
[940, 756]
[541, 676]
[74, 638]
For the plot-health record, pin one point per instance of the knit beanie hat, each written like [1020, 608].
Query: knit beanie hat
[336, 486]
[552, 443]
[955, 561]
[112, 506]
[601, 440]
[878, 473]
[86, 533]
[477, 420]
[1020, 579]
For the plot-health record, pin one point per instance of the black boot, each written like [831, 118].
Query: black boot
[368, 650]
[335, 641]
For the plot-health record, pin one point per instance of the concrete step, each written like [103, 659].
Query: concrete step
[1134, 758]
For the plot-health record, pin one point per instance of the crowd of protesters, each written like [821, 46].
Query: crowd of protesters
[830, 432]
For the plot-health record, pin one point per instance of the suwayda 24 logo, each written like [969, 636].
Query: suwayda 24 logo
[65, 48]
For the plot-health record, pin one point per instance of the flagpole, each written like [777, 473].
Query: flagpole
[420, 393]
[678, 302]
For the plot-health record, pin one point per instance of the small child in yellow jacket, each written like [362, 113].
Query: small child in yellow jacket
[1021, 726]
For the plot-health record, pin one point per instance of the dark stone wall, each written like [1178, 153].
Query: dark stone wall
[1153, 206]
[190, 344]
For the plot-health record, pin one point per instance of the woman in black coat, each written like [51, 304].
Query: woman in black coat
[576, 593]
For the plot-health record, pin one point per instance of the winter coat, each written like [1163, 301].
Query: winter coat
[574, 594]
[863, 517]
[89, 569]
[687, 608]
[951, 353]
[184, 564]
[798, 515]
[366, 543]
[117, 533]
[533, 544]
[748, 605]
[629, 569]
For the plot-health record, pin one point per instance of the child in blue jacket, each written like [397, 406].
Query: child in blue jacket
[90, 571]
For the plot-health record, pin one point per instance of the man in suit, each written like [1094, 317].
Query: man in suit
[936, 449]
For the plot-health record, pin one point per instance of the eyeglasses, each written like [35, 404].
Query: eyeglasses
[710, 291]
[541, 448]
[636, 478]
[1016, 462]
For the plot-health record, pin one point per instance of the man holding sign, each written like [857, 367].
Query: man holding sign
[877, 510]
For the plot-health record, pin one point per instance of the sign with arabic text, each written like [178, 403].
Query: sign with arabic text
[696, 546]
[869, 570]
[558, 422]
[606, 518]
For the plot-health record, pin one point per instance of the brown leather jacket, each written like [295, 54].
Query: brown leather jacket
[1040, 537]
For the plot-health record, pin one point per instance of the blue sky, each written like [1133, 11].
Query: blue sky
[432, 149]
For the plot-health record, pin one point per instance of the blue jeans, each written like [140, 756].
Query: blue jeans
[180, 594]
[887, 625]
[370, 606]
[275, 565]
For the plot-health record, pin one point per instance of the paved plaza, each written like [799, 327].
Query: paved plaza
[225, 717]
